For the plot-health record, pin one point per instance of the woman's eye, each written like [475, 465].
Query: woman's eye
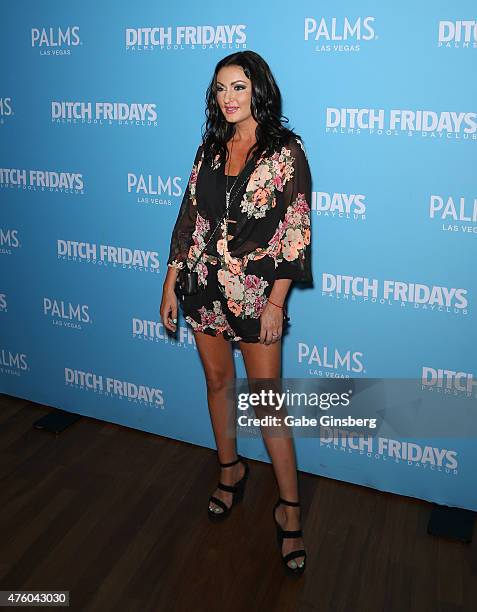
[237, 88]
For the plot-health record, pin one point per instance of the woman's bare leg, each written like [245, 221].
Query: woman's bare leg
[264, 361]
[217, 359]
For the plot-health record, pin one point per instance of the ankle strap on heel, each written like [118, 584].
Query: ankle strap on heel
[228, 488]
[297, 533]
[229, 464]
[288, 503]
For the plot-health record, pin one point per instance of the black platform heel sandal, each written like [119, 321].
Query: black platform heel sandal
[282, 534]
[237, 490]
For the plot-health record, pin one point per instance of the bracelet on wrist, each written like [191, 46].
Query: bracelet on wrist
[277, 305]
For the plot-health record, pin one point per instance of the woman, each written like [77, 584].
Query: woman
[251, 162]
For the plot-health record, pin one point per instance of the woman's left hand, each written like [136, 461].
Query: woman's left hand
[271, 324]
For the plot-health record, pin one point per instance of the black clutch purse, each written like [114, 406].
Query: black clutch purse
[187, 283]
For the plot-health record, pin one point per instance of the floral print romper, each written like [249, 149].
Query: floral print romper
[267, 237]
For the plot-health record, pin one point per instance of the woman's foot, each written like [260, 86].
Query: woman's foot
[288, 518]
[228, 476]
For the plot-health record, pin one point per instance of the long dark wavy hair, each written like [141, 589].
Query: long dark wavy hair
[266, 108]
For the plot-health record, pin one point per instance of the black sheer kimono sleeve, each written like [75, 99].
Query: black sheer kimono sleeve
[294, 260]
[181, 238]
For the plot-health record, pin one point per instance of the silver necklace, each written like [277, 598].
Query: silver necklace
[227, 190]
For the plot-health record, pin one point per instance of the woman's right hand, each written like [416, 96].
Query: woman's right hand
[168, 308]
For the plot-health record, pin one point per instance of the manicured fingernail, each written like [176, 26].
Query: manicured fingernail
[174, 320]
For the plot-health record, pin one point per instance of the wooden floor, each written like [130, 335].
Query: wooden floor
[118, 517]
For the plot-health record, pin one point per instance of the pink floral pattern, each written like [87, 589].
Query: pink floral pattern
[270, 175]
[213, 319]
[244, 292]
[193, 180]
[292, 235]
[175, 263]
[202, 227]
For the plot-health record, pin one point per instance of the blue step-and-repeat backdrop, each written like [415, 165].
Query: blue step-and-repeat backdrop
[101, 110]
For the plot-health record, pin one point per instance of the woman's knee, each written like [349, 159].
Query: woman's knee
[218, 379]
[216, 355]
